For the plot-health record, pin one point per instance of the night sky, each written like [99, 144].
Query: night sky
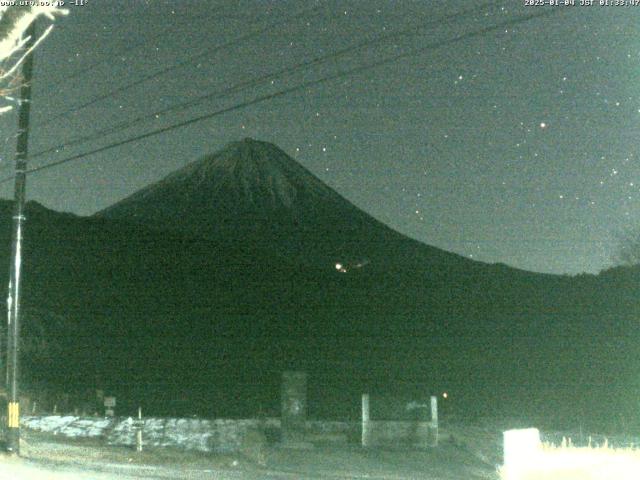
[516, 144]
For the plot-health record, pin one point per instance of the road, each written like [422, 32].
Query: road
[61, 460]
[18, 469]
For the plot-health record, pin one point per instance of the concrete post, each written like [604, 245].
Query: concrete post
[365, 420]
[294, 407]
[434, 421]
[139, 427]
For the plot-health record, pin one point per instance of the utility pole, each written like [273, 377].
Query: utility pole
[13, 299]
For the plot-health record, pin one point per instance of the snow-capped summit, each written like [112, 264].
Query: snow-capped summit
[250, 191]
[253, 194]
[246, 177]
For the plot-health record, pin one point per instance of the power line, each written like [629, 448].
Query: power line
[293, 89]
[257, 81]
[191, 59]
[287, 91]
[126, 49]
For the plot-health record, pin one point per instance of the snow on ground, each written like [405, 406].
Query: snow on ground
[220, 435]
[174, 447]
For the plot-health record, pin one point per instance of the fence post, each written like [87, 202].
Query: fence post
[294, 409]
[434, 420]
[365, 419]
[139, 427]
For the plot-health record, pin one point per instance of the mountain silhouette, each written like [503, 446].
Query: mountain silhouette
[254, 194]
[195, 293]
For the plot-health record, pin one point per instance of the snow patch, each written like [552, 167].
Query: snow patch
[220, 435]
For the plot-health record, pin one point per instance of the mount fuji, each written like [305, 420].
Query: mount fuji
[196, 292]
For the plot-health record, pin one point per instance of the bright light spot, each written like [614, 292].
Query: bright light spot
[338, 266]
[526, 457]
[543, 125]
[521, 447]
[445, 395]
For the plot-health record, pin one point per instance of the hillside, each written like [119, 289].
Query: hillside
[192, 296]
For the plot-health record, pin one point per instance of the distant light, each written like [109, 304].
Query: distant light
[445, 395]
[543, 125]
[341, 268]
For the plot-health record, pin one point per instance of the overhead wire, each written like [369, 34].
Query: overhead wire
[318, 60]
[127, 49]
[302, 86]
[208, 51]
